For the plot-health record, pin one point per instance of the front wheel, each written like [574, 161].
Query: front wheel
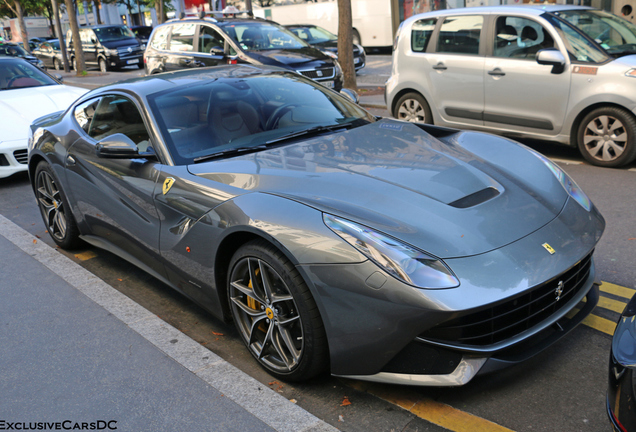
[414, 108]
[606, 137]
[103, 66]
[54, 208]
[275, 313]
[56, 64]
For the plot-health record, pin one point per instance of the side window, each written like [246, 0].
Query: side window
[460, 35]
[208, 39]
[522, 38]
[116, 114]
[160, 39]
[84, 113]
[182, 37]
[421, 32]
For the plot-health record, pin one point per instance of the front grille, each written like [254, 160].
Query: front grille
[322, 73]
[508, 319]
[136, 50]
[21, 156]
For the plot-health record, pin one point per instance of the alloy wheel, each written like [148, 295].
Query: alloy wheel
[102, 66]
[266, 314]
[605, 138]
[411, 110]
[51, 205]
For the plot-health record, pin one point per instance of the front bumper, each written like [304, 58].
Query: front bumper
[377, 326]
[13, 157]
[121, 61]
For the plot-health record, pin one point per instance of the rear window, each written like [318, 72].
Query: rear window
[421, 32]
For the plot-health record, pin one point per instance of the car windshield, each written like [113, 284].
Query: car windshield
[15, 74]
[313, 35]
[248, 112]
[581, 47]
[12, 50]
[263, 36]
[55, 44]
[107, 34]
[616, 35]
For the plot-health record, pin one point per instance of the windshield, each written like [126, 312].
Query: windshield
[107, 34]
[246, 112]
[12, 50]
[313, 35]
[15, 74]
[262, 36]
[614, 34]
[580, 48]
[55, 44]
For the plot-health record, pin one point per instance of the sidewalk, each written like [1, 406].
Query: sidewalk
[370, 96]
[74, 350]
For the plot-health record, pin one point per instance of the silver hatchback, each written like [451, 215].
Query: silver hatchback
[559, 73]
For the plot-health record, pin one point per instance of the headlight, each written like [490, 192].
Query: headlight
[399, 259]
[568, 184]
[143, 46]
[631, 73]
[111, 52]
[330, 54]
[338, 68]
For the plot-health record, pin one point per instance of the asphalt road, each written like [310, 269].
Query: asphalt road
[562, 389]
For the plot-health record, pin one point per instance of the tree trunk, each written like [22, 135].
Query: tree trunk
[159, 9]
[60, 35]
[77, 43]
[345, 44]
[23, 30]
[96, 4]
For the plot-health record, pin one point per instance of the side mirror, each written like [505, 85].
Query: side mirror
[116, 146]
[552, 57]
[59, 77]
[217, 51]
[350, 94]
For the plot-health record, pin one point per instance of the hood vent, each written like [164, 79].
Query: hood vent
[475, 198]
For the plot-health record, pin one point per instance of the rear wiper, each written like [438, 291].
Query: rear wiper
[316, 130]
[230, 152]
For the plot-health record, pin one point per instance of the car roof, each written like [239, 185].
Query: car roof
[529, 9]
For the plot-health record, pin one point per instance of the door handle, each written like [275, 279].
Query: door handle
[70, 161]
[440, 66]
[496, 72]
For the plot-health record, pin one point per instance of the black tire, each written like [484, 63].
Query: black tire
[414, 108]
[607, 137]
[54, 208]
[283, 331]
[103, 65]
[355, 37]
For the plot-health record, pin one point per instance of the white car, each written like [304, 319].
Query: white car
[26, 93]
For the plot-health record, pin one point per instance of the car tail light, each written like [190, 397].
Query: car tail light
[232, 61]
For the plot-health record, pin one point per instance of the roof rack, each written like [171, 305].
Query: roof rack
[207, 15]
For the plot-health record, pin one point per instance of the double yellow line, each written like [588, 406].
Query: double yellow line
[459, 421]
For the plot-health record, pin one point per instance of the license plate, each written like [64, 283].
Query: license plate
[133, 61]
[327, 83]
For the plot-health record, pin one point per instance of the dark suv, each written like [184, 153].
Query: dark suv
[107, 46]
[199, 42]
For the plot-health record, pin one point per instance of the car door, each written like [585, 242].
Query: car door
[211, 47]
[182, 44]
[455, 69]
[89, 45]
[520, 94]
[115, 195]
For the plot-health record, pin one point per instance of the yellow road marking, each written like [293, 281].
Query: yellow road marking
[618, 290]
[84, 256]
[610, 304]
[601, 324]
[425, 408]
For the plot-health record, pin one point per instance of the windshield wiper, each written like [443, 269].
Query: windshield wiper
[230, 152]
[316, 130]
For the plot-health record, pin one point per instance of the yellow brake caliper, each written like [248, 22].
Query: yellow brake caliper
[254, 304]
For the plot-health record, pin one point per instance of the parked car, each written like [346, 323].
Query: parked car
[9, 49]
[323, 39]
[551, 72]
[621, 393]
[142, 33]
[107, 46]
[199, 42]
[26, 93]
[50, 54]
[375, 249]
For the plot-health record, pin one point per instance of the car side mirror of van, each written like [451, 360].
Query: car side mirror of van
[58, 77]
[217, 51]
[117, 146]
[552, 57]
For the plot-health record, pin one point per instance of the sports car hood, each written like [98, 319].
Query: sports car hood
[292, 58]
[19, 107]
[398, 179]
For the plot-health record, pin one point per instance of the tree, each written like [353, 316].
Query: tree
[80, 66]
[345, 44]
[16, 8]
